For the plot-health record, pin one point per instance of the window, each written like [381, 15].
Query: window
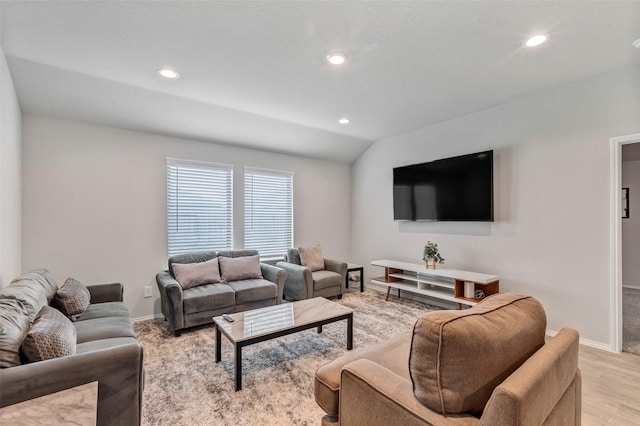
[268, 211]
[199, 206]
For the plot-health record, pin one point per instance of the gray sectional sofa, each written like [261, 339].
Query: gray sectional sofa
[106, 349]
[197, 305]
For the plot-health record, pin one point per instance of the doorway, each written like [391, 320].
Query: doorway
[625, 276]
[630, 247]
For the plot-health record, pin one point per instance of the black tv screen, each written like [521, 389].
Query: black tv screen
[453, 189]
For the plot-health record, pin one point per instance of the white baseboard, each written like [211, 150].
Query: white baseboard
[148, 317]
[586, 342]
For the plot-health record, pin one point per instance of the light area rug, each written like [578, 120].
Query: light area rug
[631, 320]
[184, 385]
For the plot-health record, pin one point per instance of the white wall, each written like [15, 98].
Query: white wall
[550, 237]
[95, 201]
[10, 178]
[631, 226]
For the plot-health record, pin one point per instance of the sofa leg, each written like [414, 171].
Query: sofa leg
[339, 296]
[177, 333]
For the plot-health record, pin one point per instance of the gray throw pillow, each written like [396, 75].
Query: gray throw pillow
[194, 274]
[51, 336]
[240, 268]
[72, 299]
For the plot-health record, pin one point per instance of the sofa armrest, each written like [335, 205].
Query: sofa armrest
[298, 282]
[340, 267]
[101, 293]
[547, 385]
[171, 299]
[372, 394]
[275, 275]
[118, 371]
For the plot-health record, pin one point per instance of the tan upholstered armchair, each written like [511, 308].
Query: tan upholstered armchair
[303, 283]
[488, 365]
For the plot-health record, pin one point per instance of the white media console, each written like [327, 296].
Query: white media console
[443, 284]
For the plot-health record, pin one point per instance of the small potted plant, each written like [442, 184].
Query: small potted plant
[431, 255]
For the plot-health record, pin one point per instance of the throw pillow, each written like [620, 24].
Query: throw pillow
[240, 268]
[194, 274]
[72, 299]
[51, 336]
[312, 257]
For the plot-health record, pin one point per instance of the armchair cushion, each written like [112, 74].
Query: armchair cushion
[240, 268]
[194, 274]
[72, 299]
[445, 378]
[51, 336]
[392, 353]
[325, 279]
[312, 257]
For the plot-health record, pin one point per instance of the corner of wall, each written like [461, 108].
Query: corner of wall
[10, 177]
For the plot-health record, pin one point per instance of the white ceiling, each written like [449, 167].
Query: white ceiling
[255, 73]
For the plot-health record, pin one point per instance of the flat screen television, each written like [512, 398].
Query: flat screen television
[451, 189]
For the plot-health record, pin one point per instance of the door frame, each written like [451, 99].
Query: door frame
[615, 233]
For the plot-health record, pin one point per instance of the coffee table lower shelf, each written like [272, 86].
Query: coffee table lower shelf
[287, 318]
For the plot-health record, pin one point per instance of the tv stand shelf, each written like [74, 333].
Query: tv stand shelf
[443, 284]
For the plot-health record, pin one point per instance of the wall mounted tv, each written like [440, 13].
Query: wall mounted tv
[451, 189]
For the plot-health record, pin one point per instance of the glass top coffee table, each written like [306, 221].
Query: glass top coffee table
[262, 324]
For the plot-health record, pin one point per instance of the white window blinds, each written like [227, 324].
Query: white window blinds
[199, 206]
[268, 211]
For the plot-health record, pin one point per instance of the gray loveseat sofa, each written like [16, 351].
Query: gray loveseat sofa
[184, 308]
[106, 349]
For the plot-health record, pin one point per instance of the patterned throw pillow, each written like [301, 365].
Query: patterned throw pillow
[312, 257]
[194, 274]
[52, 335]
[72, 299]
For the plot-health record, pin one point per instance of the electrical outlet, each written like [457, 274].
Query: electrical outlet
[147, 291]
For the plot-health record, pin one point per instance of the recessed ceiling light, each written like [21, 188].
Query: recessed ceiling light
[337, 58]
[636, 44]
[537, 40]
[344, 121]
[168, 73]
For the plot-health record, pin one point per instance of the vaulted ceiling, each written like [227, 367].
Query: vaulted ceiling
[255, 74]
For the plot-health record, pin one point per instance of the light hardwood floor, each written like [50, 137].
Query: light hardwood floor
[610, 387]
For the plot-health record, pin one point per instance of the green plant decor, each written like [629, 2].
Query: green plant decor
[431, 252]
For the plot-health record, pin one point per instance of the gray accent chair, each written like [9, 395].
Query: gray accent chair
[302, 284]
[198, 305]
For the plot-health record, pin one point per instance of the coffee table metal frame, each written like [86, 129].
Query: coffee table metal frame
[238, 345]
